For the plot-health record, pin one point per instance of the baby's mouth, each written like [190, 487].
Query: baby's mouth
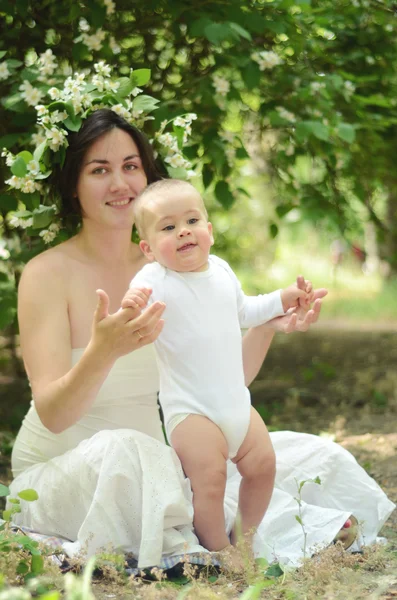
[186, 247]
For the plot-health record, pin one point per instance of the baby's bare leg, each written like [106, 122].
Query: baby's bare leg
[203, 451]
[256, 463]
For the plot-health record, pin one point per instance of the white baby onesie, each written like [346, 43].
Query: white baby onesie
[199, 350]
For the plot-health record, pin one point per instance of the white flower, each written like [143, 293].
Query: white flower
[99, 82]
[175, 161]
[4, 253]
[136, 91]
[349, 86]
[94, 41]
[221, 85]
[110, 6]
[47, 235]
[8, 156]
[22, 223]
[83, 25]
[370, 60]
[14, 182]
[103, 69]
[54, 227]
[286, 114]
[33, 167]
[41, 110]
[121, 110]
[4, 72]
[112, 86]
[136, 113]
[54, 93]
[47, 63]
[28, 186]
[56, 116]
[316, 86]
[266, 60]
[168, 140]
[115, 48]
[31, 95]
[56, 138]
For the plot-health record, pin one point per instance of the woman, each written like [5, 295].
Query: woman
[92, 443]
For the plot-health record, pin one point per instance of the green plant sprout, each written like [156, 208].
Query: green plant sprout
[299, 517]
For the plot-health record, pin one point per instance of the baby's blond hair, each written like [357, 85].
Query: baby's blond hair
[155, 190]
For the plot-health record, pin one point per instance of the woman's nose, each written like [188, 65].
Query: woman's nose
[118, 181]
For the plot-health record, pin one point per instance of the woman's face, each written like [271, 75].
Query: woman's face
[110, 178]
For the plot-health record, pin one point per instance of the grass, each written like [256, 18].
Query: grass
[353, 296]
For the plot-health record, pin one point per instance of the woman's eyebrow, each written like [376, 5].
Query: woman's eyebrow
[106, 162]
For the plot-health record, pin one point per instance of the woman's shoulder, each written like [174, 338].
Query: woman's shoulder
[50, 264]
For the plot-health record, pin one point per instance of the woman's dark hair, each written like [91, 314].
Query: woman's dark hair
[97, 124]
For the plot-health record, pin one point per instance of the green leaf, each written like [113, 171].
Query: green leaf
[7, 514]
[13, 63]
[2, 53]
[299, 519]
[125, 87]
[18, 167]
[241, 31]
[39, 151]
[207, 175]
[274, 571]
[29, 495]
[346, 132]
[13, 500]
[140, 77]
[8, 141]
[223, 194]
[37, 564]
[80, 52]
[145, 103]
[273, 230]
[4, 490]
[216, 33]
[43, 216]
[27, 156]
[251, 75]
[22, 568]
[318, 129]
[8, 202]
[32, 201]
[22, 7]
[73, 123]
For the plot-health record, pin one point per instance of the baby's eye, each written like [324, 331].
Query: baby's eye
[192, 221]
[168, 228]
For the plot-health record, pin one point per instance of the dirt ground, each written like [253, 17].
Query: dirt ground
[339, 382]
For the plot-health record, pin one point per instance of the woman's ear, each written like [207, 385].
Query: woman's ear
[144, 246]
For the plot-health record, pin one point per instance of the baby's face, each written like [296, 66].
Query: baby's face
[178, 235]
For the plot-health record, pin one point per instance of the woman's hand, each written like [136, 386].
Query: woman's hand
[300, 318]
[126, 330]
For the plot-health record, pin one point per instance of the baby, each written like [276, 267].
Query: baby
[206, 404]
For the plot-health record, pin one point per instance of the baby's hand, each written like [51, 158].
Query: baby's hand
[293, 296]
[136, 297]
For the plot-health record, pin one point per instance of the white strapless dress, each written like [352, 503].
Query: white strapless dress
[110, 481]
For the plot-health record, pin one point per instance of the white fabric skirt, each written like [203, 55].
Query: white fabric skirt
[123, 489]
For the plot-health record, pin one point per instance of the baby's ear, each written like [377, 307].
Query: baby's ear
[210, 231]
[144, 246]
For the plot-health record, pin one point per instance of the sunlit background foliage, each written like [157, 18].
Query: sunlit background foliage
[295, 140]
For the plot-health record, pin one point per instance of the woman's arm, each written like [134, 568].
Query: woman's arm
[257, 341]
[63, 394]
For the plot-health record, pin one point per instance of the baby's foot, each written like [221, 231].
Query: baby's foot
[233, 559]
[348, 534]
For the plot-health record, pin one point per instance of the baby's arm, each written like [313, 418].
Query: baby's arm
[293, 296]
[136, 297]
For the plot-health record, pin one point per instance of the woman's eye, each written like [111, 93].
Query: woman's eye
[168, 228]
[99, 171]
[130, 167]
[192, 221]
